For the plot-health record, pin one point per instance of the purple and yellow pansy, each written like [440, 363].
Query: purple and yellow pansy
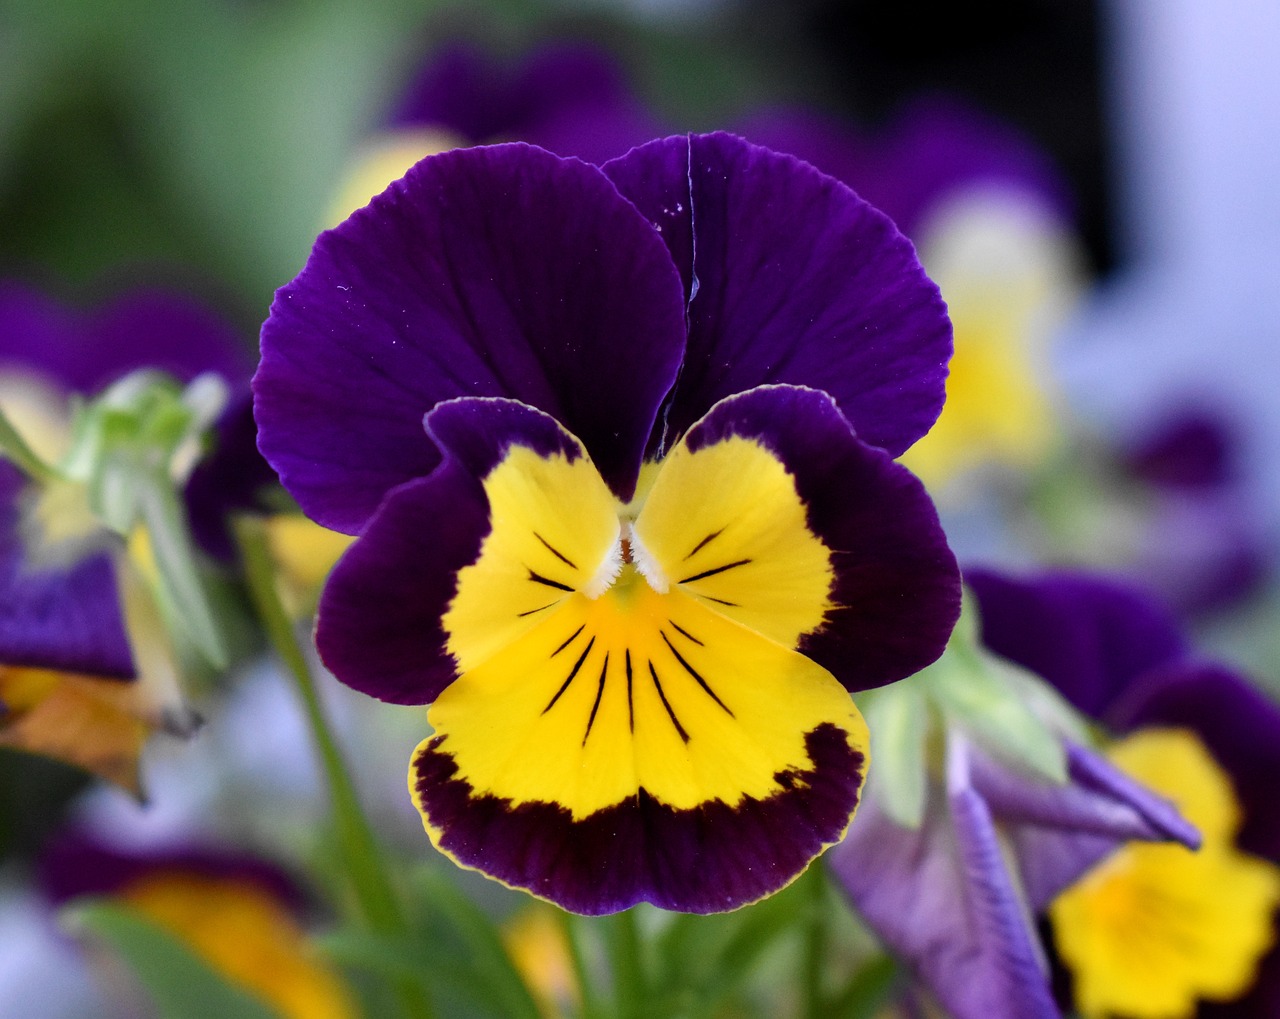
[1154, 931]
[618, 445]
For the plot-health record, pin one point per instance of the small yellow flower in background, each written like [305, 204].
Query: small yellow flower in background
[1155, 929]
[536, 941]
[247, 935]
[304, 552]
[1010, 273]
[384, 159]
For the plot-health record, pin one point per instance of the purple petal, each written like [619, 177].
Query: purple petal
[378, 625]
[1192, 449]
[76, 863]
[231, 478]
[499, 271]
[1237, 722]
[942, 900]
[571, 98]
[1059, 832]
[938, 147]
[1088, 636]
[703, 860]
[64, 618]
[146, 328]
[896, 589]
[792, 279]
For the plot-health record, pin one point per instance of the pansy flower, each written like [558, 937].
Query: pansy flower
[618, 447]
[987, 801]
[86, 669]
[991, 218]
[239, 914]
[1152, 931]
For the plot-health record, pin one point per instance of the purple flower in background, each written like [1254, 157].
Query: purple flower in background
[653, 503]
[84, 674]
[1121, 657]
[946, 899]
[240, 914]
[935, 150]
[986, 802]
[1203, 545]
[571, 98]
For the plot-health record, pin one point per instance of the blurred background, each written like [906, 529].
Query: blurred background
[200, 145]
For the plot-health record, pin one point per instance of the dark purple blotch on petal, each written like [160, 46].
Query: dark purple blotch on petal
[67, 617]
[704, 860]
[896, 589]
[477, 434]
[792, 278]
[498, 271]
[379, 622]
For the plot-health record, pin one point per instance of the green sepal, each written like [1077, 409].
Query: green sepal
[182, 985]
[986, 697]
[899, 718]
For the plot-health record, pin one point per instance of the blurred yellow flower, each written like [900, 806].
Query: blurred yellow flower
[1156, 928]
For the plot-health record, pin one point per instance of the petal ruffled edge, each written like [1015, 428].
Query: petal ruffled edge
[895, 593]
[494, 271]
[791, 278]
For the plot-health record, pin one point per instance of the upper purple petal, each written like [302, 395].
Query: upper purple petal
[896, 590]
[379, 622]
[791, 278]
[497, 271]
[1238, 723]
[1088, 636]
[66, 618]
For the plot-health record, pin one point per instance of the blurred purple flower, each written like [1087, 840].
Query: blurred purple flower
[955, 899]
[1118, 655]
[935, 150]
[1203, 546]
[572, 98]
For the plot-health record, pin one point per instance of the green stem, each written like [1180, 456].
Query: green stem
[623, 938]
[571, 925]
[360, 849]
[815, 942]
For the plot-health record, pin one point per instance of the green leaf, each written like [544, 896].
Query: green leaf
[485, 949]
[182, 985]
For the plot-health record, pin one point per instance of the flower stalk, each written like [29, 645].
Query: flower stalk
[359, 846]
